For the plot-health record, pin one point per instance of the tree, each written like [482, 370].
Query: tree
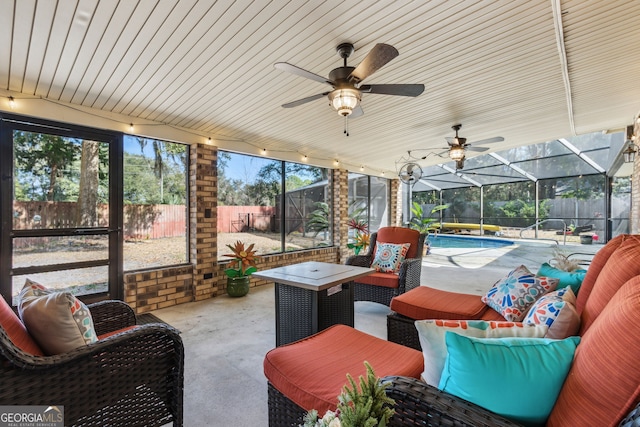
[87, 206]
[40, 160]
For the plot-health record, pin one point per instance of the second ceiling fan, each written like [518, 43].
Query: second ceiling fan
[459, 145]
[346, 81]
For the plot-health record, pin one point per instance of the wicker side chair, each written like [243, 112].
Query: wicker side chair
[134, 377]
[367, 289]
[416, 402]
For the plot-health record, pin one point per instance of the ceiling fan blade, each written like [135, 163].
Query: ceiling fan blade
[380, 55]
[489, 140]
[304, 100]
[357, 112]
[400, 89]
[284, 66]
[478, 149]
[455, 141]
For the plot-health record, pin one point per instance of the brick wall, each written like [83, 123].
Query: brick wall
[151, 290]
[395, 203]
[339, 190]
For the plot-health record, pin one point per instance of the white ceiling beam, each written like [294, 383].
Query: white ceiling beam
[564, 66]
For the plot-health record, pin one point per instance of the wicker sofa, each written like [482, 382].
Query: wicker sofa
[382, 287]
[596, 290]
[132, 376]
[602, 386]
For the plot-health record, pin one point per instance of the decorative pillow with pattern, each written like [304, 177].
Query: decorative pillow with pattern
[389, 256]
[434, 348]
[58, 321]
[557, 310]
[513, 295]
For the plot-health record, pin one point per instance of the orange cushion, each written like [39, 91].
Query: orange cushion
[388, 280]
[400, 235]
[430, 303]
[108, 334]
[595, 267]
[603, 383]
[491, 314]
[16, 330]
[621, 266]
[311, 372]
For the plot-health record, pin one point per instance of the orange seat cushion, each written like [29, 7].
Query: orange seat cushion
[16, 331]
[387, 280]
[312, 372]
[621, 266]
[595, 267]
[400, 235]
[108, 334]
[602, 385]
[429, 303]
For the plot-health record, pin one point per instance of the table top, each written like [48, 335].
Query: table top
[314, 275]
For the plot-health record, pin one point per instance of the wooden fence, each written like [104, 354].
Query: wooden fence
[140, 221]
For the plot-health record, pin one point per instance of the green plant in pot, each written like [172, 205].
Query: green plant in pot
[238, 278]
[422, 223]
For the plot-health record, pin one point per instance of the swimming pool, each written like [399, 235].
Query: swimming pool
[448, 241]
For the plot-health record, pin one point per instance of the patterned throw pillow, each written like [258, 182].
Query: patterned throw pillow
[389, 257]
[58, 321]
[514, 294]
[434, 348]
[556, 310]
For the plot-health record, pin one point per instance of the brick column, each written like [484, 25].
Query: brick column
[395, 203]
[340, 199]
[203, 177]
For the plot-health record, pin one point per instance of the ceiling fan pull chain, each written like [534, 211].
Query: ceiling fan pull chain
[346, 125]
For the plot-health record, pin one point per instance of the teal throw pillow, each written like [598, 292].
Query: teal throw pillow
[572, 279]
[518, 378]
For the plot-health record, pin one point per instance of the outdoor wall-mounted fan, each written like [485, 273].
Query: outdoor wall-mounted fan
[347, 92]
[458, 146]
[410, 173]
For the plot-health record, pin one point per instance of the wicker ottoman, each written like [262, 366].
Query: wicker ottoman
[310, 373]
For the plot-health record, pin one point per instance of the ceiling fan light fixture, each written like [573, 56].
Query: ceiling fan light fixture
[344, 100]
[456, 153]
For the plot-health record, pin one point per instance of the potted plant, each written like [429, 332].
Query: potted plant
[422, 223]
[361, 237]
[238, 278]
[367, 405]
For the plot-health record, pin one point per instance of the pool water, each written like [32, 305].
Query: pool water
[447, 241]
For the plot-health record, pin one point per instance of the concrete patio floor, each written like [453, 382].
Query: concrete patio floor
[225, 338]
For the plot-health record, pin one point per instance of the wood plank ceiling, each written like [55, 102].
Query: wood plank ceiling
[528, 71]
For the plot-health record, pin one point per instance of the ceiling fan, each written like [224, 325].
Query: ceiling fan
[410, 173]
[458, 146]
[346, 81]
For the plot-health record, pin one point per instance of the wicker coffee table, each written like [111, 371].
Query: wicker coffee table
[311, 296]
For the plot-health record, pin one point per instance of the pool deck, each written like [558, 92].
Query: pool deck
[475, 270]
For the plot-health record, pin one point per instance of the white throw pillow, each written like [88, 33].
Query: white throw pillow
[434, 348]
[58, 321]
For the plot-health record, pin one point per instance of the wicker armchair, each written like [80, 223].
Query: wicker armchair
[366, 288]
[131, 378]
[416, 402]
